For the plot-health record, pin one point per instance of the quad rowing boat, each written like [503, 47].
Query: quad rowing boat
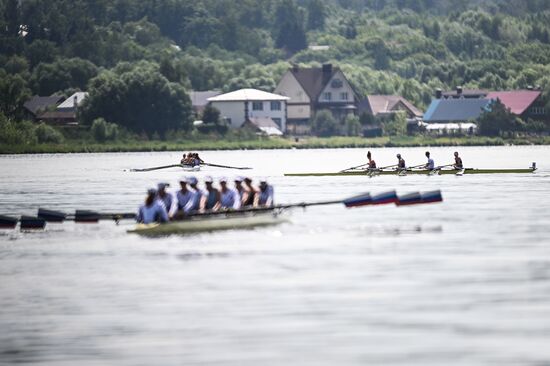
[212, 223]
[415, 172]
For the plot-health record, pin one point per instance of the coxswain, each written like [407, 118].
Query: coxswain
[401, 163]
[252, 192]
[210, 200]
[242, 190]
[430, 165]
[458, 162]
[166, 198]
[229, 197]
[183, 196]
[372, 163]
[152, 210]
[264, 198]
[193, 205]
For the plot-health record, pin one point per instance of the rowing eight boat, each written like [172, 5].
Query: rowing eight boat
[207, 224]
[413, 171]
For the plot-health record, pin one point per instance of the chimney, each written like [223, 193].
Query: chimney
[295, 67]
[75, 103]
[327, 68]
[529, 87]
[458, 91]
[438, 93]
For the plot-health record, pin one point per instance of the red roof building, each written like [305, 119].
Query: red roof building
[519, 101]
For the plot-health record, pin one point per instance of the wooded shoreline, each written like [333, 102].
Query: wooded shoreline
[79, 146]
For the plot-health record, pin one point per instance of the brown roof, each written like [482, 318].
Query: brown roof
[37, 103]
[313, 79]
[378, 104]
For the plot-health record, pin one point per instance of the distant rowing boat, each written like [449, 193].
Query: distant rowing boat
[415, 172]
[213, 223]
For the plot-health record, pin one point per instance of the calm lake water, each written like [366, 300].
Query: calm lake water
[464, 282]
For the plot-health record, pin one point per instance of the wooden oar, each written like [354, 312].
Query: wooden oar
[225, 166]
[157, 168]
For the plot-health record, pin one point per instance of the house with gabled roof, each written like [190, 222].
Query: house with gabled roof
[37, 105]
[523, 103]
[311, 89]
[65, 113]
[385, 105]
[251, 105]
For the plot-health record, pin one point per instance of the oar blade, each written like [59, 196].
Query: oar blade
[385, 198]
[358, 201]
[8, 222]
[32, 223]
[51, 216]
[86, 216]
[431, 196]
[409, 199]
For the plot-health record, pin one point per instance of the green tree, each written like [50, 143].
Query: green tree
[211, 115]
[316, 14]
[138, 98]
[380, 52]
[63, 74]
[290, 32]
[13, 94]
[324, 124]
[47, 134]
[353, 125]
[497, 120]
[396, 125]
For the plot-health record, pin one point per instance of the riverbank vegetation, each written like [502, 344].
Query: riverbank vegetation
[138, 59]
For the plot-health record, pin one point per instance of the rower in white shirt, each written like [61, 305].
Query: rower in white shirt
[265, 197]
[152, 210]
[193, 205]
[165, 197]
[183, 196]
[229, 197]
[430, 165]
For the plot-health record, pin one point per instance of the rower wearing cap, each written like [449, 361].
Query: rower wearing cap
[166, 198]
[372, 163]
[264, 198]
[241, 189]
[210, 200]
[229, 197]
[183, 196]
[458, 162]
[401, 163]
[193, 205]
[252, 192]
[153, 210]
[430, 165]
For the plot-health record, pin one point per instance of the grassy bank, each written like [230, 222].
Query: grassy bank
[79, 146]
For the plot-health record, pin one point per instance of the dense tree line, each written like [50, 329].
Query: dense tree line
[163, 49]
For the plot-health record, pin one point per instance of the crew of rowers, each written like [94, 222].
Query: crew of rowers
[192, 159]
[430, 164]
[162, 206]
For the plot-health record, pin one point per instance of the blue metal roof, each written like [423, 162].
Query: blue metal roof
[455, 110]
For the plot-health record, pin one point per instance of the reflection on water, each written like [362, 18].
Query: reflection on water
[465, 282]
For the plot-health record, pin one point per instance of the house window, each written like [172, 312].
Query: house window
[275, 106]
[336, 83]
[257, 106]
[344, 96]
[277, 121]
[327, 96]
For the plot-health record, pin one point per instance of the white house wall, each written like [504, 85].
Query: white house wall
[267, 112]
[298, 105]
[235, 111]
[337, 92]
[231, 110]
